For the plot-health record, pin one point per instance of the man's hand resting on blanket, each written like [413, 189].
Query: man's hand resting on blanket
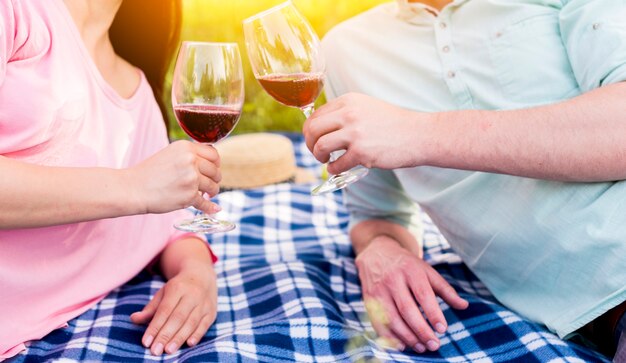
[184, 309]
[396, 285]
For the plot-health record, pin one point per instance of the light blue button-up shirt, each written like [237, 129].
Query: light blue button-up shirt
[554, 252]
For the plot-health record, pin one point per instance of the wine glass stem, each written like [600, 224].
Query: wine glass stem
[308, 110]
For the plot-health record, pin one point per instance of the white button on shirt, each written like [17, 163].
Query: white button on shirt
[554, 252]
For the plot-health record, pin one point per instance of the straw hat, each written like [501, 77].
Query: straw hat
[258, 159]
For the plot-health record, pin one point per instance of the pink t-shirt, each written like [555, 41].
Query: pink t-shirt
[57, 110]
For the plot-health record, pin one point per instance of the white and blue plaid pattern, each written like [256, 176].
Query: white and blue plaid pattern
[289, 292]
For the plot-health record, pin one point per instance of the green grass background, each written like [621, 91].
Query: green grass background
[220, 21]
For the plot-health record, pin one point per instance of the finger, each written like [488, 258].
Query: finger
[210, 170]
[388, 338]
[207, 152]
[328, 143]
[428, 302]
[330, 107]
[205, 205]
[409, 310]
[185, 331]
[202, 328]
[399, 327]
[379, 320]
[443, 289]
[345, 162]
[144, 316]
[208, 186]
[174, 321]
[164, 310]
[319, 127]
[310, 128]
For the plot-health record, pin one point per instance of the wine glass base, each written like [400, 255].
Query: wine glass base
[340, 181]
[204, 224]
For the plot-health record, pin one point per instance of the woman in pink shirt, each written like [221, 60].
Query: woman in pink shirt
[89, 185]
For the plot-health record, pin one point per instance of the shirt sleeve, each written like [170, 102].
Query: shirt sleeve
[7, 35]
[15, 28]
[153, 267]
[379, 195]
[178, 235]
[594, 34]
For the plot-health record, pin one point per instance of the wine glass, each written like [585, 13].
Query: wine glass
[288, 63]
[207, 97]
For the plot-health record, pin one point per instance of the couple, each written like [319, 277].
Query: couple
[501, 119]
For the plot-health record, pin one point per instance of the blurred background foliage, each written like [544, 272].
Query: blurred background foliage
[221, 21]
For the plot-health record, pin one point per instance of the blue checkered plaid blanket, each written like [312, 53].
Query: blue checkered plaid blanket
[289, 292]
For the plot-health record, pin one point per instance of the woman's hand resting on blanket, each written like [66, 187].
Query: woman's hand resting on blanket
[396, 285]
[184, 309]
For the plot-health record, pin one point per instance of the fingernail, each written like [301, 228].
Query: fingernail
[420, 348]
[216, 208]
[400, 347]
[432, 345]
[171, 348]
[147, 341]
[158, 349]
[440, 328]
[191, 342]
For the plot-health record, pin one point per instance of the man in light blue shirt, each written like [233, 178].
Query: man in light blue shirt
[506, 122]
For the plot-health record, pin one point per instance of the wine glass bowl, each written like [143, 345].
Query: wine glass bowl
[288, 63]
[207, 98]
[295, 90]
[206, 124]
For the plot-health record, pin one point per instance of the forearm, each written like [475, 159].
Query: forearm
[365, 232]
[183, 254]
[581, 139]
[39, 196]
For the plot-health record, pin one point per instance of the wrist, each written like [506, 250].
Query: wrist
[198, 269]
[188, 255]
[384, 241]
[379, 241]
[195, 263]
[366, 232]
[134, 191]
[117, 193]
[427, 138]
[377, 248]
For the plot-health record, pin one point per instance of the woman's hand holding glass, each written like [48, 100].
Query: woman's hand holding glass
[175, 178]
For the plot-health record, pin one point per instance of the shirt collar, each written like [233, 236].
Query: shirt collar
[419, 13]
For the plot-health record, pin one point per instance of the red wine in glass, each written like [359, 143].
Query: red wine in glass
[295, 90]
[207, 123]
